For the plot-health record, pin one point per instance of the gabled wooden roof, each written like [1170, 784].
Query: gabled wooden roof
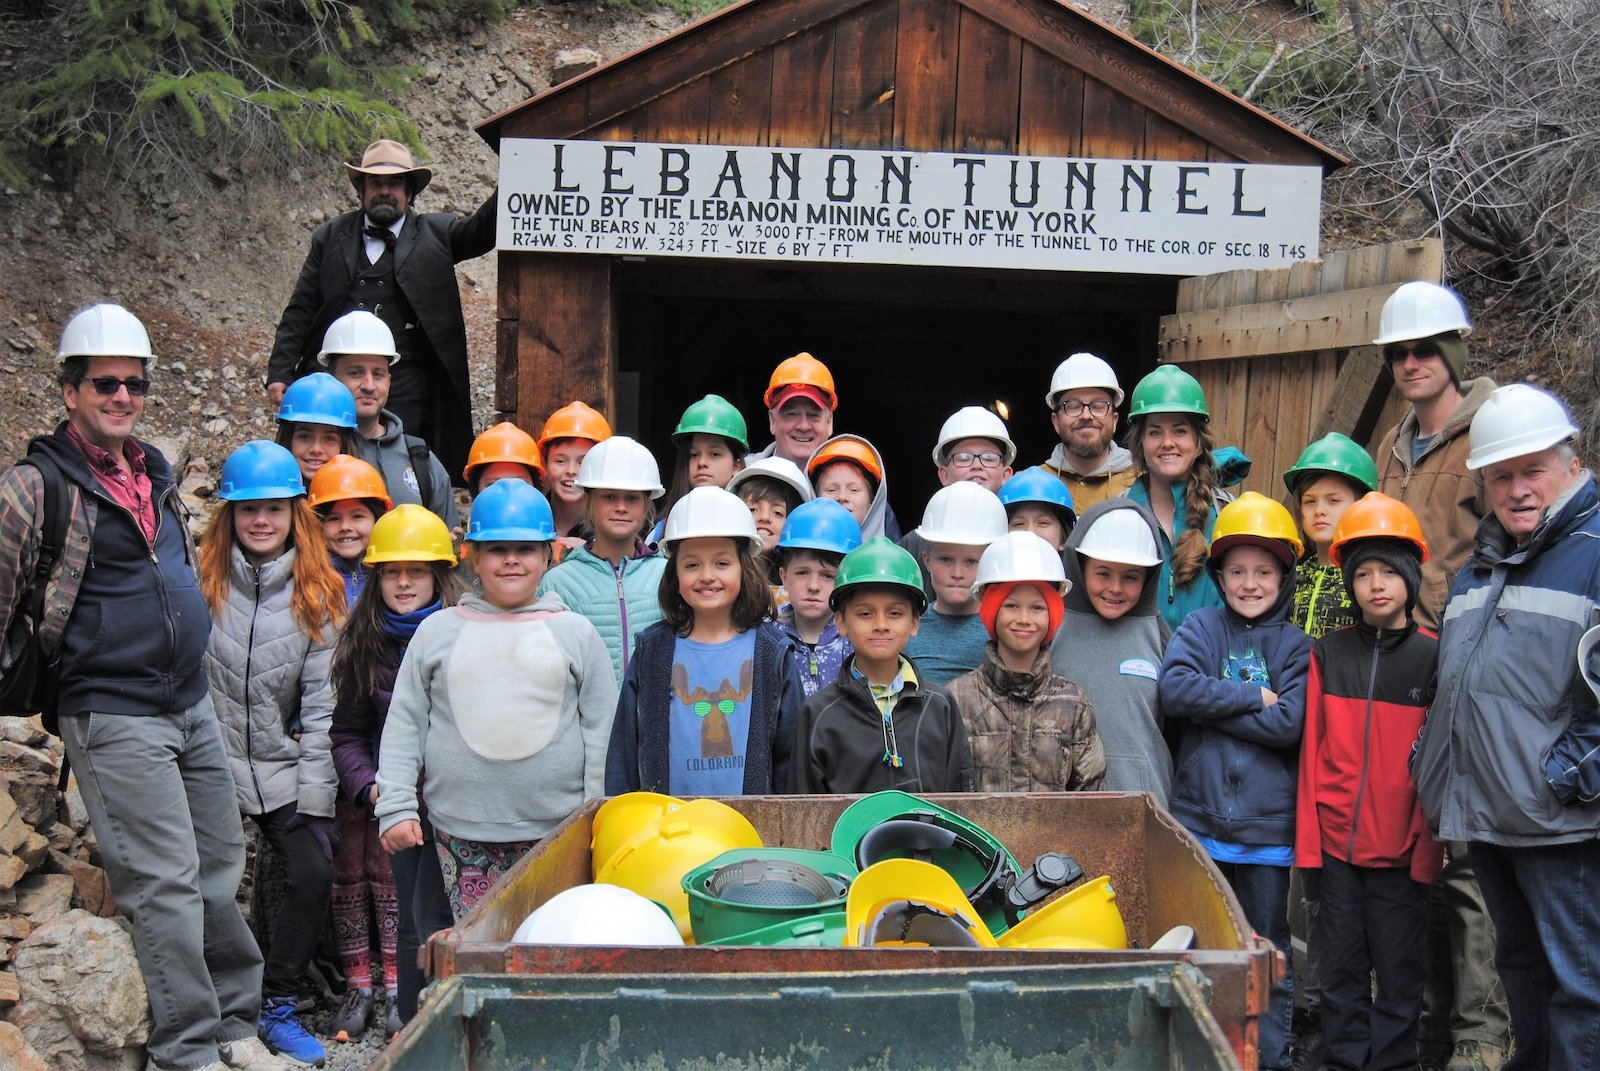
[1031, 77]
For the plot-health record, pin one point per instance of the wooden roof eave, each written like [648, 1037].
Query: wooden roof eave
[1105, 53]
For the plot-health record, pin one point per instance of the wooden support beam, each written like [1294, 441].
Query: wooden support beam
[1359, 394]
[1267, 329]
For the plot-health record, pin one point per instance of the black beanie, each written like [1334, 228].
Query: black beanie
[1398, 554]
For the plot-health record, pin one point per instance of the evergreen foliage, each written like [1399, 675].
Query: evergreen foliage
[176, 78]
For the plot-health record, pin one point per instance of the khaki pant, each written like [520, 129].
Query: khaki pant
[1463, 999]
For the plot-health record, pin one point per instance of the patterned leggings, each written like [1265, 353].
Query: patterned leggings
[363, 889]
[471, 867]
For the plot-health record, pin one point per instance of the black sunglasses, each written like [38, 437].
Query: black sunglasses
[107, 386]
[1423, 350]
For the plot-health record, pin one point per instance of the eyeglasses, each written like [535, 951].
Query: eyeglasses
[966, 459]
[1099, 408]
[1422, 350]
[107, 386]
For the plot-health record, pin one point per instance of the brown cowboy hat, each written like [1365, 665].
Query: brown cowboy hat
[385, 157]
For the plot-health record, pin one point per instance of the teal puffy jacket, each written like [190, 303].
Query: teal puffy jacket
[619, 603]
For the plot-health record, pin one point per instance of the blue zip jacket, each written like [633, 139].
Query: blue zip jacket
[1237, 763]
[1177, 603]
[619, 602]
[1510, 753]
[641, 734]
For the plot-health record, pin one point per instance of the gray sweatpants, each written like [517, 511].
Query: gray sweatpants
[162, 804]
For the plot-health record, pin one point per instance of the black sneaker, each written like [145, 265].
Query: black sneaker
[353, 1017]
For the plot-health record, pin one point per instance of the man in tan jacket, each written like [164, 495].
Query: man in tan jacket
[1422, 462]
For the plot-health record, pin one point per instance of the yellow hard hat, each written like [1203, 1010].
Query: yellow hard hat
[409, 533]
[911, 904]
[1259, 521]
[1086, 917]
[655, 860]
[620, 819]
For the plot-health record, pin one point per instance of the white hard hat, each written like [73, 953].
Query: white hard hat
[358, 332]
[621, 464]
[1021, 556]
[105, 330]
[964, 513]
[1083, 370]
[1421, 310]
[1515, 420]
[598, 915]
[710, 511]
[775, 468]
[1120, 536]
[974, 422]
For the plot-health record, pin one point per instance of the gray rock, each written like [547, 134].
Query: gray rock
[83, 968]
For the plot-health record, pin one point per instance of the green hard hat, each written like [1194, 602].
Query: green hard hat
[879, 561]
[1338, 454]
[713, 415]
[825, 929]
[1169, 389]
[897, 825]
[750, 889]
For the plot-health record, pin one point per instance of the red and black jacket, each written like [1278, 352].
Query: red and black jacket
[1370, 690]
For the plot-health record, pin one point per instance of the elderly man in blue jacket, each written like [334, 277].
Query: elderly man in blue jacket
[1509, 759]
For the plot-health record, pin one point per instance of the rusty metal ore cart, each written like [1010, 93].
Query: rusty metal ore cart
[1162, 877]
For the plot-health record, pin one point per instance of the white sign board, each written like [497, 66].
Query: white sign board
[871, 206]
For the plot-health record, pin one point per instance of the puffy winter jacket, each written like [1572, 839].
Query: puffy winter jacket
[1357, 802]
[1030, 731]
[358, 726]
[1446, 497]
[267, 676]
[619, 603]
[1510, 753]
[1237, 760]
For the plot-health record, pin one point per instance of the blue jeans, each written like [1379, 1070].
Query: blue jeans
[1545, 903]
[1263, 892]
[161, 800]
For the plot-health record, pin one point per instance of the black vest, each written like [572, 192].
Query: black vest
[375, 290]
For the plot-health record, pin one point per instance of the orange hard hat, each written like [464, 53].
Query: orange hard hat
[846, 448]
[575, 421]
[347, 477]
[1377, 516]
[504, 442]
[801, 374]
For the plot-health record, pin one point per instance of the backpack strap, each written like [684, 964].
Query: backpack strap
[421, 466]
[53, 537]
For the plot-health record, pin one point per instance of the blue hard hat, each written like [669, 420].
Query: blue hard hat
[319, 399]
[510, 511]
[1037, 484]
[260, 469]
[821, 524]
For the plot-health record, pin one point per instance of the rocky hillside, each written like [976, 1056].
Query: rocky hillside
[208, 257]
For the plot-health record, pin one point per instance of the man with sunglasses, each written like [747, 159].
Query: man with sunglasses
[1422, 461]
[1083, 399]
[124, 615]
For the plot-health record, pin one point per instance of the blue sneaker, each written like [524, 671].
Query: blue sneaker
[285, 1036]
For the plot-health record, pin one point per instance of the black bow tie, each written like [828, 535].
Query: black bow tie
[382, 234]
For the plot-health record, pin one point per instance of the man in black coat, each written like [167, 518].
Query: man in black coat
[400, 265]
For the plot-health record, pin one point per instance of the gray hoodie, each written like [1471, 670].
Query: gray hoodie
[1117, 663]
[506, 716]
[877, 519]
[389, 454]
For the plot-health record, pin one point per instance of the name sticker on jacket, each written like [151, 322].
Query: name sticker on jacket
[1138, 667]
